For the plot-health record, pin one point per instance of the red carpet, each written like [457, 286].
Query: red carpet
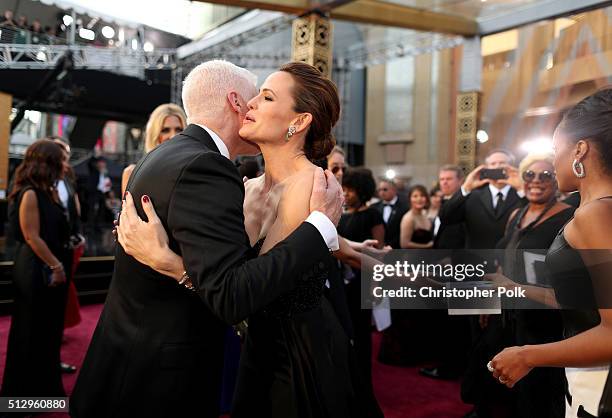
[401, 392]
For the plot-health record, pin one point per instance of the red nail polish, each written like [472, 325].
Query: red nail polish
[145, 199]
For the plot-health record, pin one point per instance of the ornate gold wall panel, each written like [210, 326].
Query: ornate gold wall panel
[312, 42]
[466, 126]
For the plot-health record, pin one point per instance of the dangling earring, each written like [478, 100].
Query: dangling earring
[290, 132]
[578, 169]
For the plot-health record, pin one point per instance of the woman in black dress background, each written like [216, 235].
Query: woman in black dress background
[407, 326]
[359, 223]
[583, 163]
[416, 229]
[42, 262]
[534, 228]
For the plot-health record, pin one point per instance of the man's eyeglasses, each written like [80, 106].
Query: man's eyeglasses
[337, 168]
[544, 176]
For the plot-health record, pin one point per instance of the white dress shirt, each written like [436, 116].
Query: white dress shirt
[388, 209]
[317, 219]
[62, 193]
[494, 191]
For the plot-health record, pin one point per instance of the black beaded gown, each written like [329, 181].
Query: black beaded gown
[297, 361]
[37, 322]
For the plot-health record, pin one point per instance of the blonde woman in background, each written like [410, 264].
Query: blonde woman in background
[165, 121]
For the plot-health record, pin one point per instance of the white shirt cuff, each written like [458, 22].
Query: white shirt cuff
[464, 192]
[326, 228]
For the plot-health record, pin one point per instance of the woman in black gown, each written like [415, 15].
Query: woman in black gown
[42, 261]
[580, 263]
[359, 223]
[398, 345]
[534, 227]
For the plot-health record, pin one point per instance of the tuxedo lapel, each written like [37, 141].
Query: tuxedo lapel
[392, 214]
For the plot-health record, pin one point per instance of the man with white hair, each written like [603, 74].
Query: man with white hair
[158, 348]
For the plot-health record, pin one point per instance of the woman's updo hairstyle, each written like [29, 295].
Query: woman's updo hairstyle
[315, 94]
[591, 120]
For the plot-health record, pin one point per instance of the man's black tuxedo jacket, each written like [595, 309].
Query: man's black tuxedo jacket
[392, 227]
[158, 348]
[482, 227]
[450, 236]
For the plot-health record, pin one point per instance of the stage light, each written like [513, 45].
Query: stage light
[40, 56]
[482, 136]
[148, 47]
[87, 34]
[390, 174]
[67, 19]
[538, 145]
[108, 32]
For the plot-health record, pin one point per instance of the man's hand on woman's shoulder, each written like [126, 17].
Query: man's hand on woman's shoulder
[327, 196]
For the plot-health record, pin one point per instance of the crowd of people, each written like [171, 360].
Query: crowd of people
[221, 247]
[34, 33]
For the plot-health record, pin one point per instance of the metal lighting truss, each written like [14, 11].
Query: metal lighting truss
[121, 60]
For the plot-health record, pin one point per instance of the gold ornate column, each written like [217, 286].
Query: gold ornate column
[6, 102]
[468, 115]
[312, 42]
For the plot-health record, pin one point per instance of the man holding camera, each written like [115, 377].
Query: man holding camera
[484, 203]
[486, 199]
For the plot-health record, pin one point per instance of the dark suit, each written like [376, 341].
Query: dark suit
[454, 330]
[483, 227]
[392, 226]
[158, 348]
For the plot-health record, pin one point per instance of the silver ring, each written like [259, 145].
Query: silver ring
[490, 367]
[502, 380]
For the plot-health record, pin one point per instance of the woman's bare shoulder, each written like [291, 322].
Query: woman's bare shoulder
[592, 225]
[29, 196]
[301, 179]
[408, 217]
[296, 192]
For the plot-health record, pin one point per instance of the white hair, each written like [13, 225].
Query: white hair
[534, 157]
[206, 87]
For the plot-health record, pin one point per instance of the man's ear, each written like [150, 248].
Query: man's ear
[234, 101]
[302, 122]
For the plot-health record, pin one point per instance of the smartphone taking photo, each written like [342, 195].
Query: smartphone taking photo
[493, 173]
